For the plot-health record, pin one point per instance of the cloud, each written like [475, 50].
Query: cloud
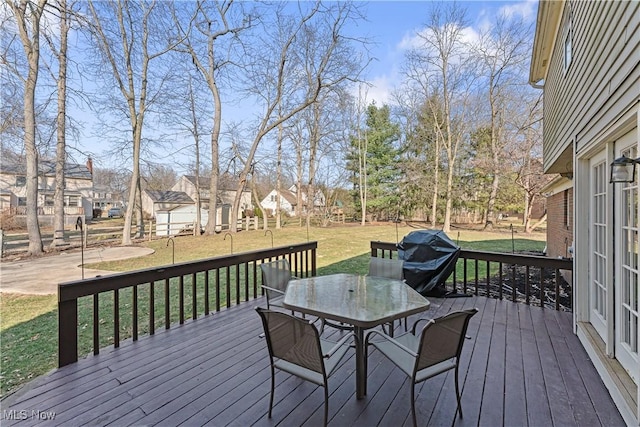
[525, 9]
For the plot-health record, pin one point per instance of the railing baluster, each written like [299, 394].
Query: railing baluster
[96, 323]
[134, 313]
[194, 291]
[167, 311]
[526, 285]
[488, 285]
[228, 287]
[476, 279]
[254, 267]
[116, 318]
[246, 281]
[514, 288]
[542, 287]
[557, 289]
[152, 308]
[465, 276]
[500, 281]
[217, 289]
[181, 292]
[237, 284]
[206, 292]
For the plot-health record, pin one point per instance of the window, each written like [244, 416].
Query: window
[48, 199]
[21, 181]
[22, 201]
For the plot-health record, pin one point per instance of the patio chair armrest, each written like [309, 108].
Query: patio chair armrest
[391, 340]
[278, 291]
[413, 328]
[339, 344]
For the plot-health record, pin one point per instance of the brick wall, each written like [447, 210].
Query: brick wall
[560, 224]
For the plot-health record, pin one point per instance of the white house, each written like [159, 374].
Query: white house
[586, 58]
[78, 190]
[226, 196]
[155, 200]
[288, 200]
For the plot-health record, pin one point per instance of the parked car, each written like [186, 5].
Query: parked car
[115, 213]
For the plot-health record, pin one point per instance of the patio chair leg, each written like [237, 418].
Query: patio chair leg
[459, 409]
[273, 386]
[326, 404]
[413, 404]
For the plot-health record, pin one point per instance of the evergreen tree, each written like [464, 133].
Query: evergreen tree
[381, 158]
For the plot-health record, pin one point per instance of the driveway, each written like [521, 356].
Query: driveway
[40, 276]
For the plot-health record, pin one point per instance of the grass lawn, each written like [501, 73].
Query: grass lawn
[28, 324]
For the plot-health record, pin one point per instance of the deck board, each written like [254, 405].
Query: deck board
[518, 368]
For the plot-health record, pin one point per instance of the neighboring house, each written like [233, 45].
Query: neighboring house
[105, 198]
[586, 57]
[289, 200]
[226, 196]
[156, 200]
[174, 221]
[175, 209]
[78, 192]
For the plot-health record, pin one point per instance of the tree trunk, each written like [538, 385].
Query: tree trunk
[31, 45]
[58, 195]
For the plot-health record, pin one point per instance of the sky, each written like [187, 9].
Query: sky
[393, 26]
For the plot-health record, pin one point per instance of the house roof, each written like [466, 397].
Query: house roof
[225, 182]
[547, 22]
[289, 197]
[48, 168]
[160, 196]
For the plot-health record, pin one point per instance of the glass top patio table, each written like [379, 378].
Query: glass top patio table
[362, 301]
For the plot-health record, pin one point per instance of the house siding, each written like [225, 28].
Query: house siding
[578, 102]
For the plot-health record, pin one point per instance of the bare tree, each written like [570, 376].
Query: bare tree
[123, 32]
[61, 120]
[275, 71]
[441, 66]
[27, 16]
[502, 52]
[211, 22]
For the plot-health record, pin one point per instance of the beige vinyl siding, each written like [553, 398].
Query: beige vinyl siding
[604, 73]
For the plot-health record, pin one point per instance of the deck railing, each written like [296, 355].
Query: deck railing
[142, 301]
[529, 279]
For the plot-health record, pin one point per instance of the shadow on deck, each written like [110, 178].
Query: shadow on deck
[522, 367]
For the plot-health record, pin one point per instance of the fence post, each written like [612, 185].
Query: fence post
[1, 242]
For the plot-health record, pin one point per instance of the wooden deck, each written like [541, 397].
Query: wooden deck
[518, 369]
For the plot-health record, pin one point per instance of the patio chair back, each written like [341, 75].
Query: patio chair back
[275, 275]
[293, 340]
[442, 339]
[385, 267]
[295, 347]
[391, 269]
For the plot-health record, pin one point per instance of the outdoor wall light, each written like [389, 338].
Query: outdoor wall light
[623, 169]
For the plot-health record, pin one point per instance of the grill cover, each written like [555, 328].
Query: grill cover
[429, 258]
